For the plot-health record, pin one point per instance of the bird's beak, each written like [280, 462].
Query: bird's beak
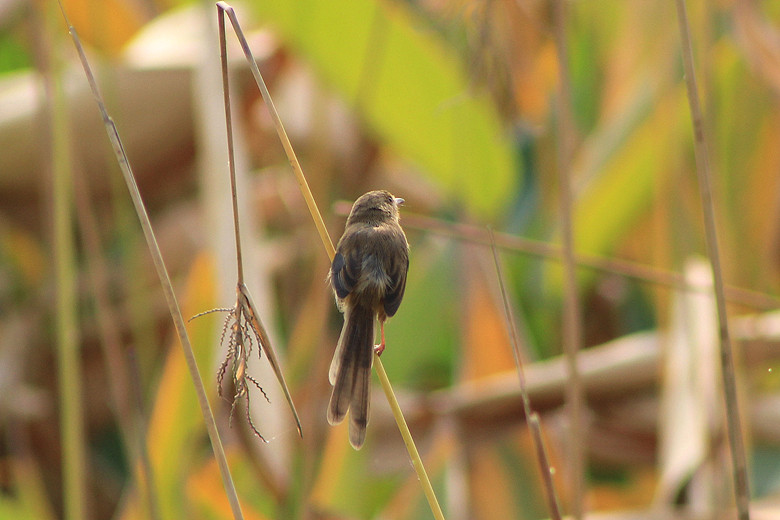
[399, 201]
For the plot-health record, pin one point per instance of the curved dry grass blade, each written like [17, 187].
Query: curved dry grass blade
[737, 445]
[162, 273]
[245, 302]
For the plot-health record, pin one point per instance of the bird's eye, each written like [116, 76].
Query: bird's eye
[390, 199]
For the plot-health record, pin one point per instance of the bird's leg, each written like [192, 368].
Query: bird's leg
[378, 349]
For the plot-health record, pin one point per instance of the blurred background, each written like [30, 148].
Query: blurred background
[455, 106]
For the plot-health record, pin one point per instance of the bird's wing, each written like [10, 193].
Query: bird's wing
[344, 273]
[397, 284]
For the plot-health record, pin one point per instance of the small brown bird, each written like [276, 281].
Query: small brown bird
[368, 276]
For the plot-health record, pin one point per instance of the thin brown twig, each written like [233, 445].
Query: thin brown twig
[572, 326]
[625, 268]
[739, 465]
[231, 153]
[534, 425]
[532, 418]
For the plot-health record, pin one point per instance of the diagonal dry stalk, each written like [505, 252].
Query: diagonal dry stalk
[162, 273]
[532, 417]
[739, 465]
[222, 9]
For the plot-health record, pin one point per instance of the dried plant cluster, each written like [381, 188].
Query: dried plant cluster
[239, 348]
[239, 335]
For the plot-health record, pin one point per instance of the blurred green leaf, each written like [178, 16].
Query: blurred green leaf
[609, 205]
[766, 470]
[14, 54]
[622, 168]
[343, 482]
[411, 89]
[27, 498]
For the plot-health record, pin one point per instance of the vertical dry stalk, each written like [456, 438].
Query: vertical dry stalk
[222, 9]
[67, 333]
[532, 418]
[739, 465]
[244, 315]
[55, 124]
[572, 329]
[162, 273]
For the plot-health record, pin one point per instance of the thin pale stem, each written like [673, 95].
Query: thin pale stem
[331, 251]
[231, 153]
[162, 273]
[544, 463]
[68, 365]
[419, 468]
[531, 416]
[736, 443]
[572, 328]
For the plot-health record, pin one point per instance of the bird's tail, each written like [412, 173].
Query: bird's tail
[350, 372]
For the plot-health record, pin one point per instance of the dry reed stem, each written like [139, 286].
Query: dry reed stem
[223, 7]
[739, 465]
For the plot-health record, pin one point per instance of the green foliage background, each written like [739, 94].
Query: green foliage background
[452, 105]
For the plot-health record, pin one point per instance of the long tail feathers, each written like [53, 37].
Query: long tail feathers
[350, 372]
